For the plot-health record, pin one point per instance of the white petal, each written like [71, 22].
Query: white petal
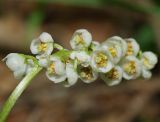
[146, 74]
[152, 58]
[18, 74]
[46, 37]
[49, 48]
[56, 78]
[72, 75]
[34, 46]
[43, 60]
[15, 61]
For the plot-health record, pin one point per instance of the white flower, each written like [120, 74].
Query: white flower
[131, 67]
[42, 45]
[71, 74]
[114, 50]
[19, 64]
[81, 39]
[121, 42]
[86, 74]
[81, 56]
[148, 60]
[113, 77]
[100, 61]
[56, 70]
[133, 47]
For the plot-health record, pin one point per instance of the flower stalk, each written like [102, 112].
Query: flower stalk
[8, 105]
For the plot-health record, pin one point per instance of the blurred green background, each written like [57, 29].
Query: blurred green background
[43, 101]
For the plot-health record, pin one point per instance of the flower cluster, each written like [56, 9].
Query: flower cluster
[112, 60]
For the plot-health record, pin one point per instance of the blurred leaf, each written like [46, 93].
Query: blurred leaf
[34, 22]
[145, 36]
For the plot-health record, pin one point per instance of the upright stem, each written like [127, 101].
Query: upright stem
[8, 105]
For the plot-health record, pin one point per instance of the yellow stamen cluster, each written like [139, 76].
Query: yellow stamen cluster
[113, 74]
[130, 67]
[101, 60]
[42, 47]
[86, 73]
[113, 51]
[79, 39]
[130, 49]
[146, 62]
[51, 68]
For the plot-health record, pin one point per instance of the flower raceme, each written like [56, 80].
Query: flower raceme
[114, 59]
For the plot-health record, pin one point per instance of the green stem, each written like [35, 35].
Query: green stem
[17, 92]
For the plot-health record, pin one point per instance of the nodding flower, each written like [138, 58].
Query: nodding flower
[56, 70]
[100, 61]
[113, 77]
[81, 39]
[82, 57]
[19, 64]
[131, 67]
[43, 45]
[114, 50]
[121, 42]
[71, 75]
[148, 60]
[133, 47]
[87, 74]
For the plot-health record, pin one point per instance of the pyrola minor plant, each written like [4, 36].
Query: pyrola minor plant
[113, 60]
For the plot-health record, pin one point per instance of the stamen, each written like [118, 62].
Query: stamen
[130, 67]
[146, 62]
[51, 68]
[113, 74]
[101, 60]
[113, 51]
[79, 39]
[42, 47]
[130, 49]
[86, 73]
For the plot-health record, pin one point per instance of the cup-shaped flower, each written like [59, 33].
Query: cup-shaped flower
[81, 39]
[19, 64]
[56, 70]
[71, 75]
[121, 42]
[133, 47]
[148, 60]
[100, 61]
[113, 77]
[16, 63]
[131, 67]
[42, 45]
[114, 50]
[86, 74]
[82, 57]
